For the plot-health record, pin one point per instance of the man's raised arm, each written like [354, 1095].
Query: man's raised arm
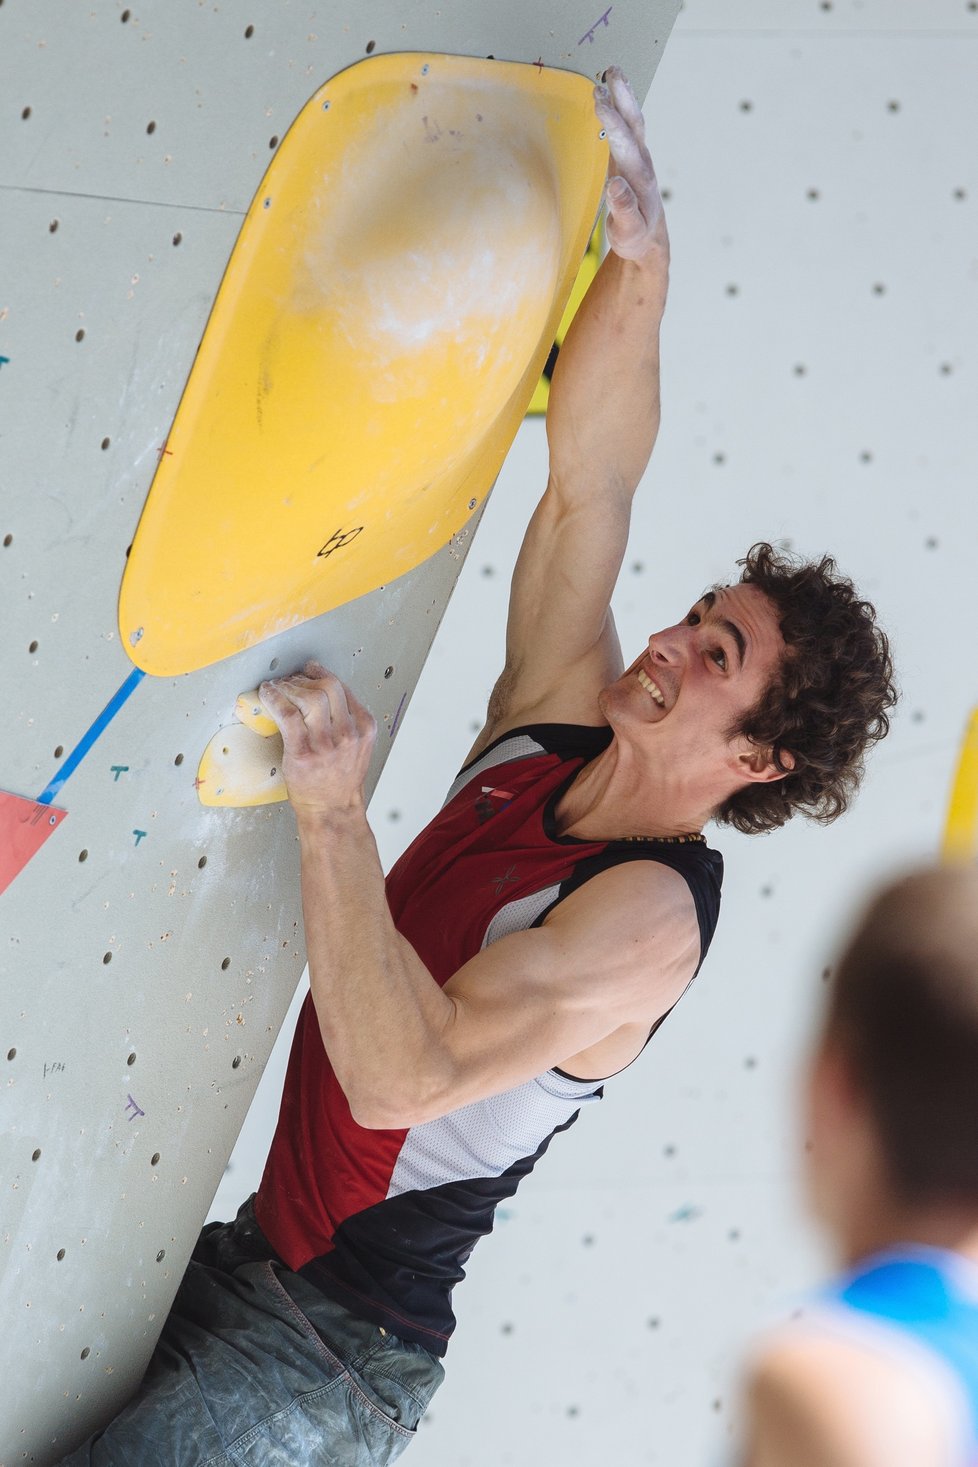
[601, 426]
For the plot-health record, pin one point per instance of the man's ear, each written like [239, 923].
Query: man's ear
[756, 765]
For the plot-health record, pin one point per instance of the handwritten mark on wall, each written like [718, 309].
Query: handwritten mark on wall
[56, 1068]
[601, 20]
[118, 769]
[397, 715]
[4, 361]
[134, 1108]
[140, 835]
[338, 540]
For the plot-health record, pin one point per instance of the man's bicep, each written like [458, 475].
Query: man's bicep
[619, 950]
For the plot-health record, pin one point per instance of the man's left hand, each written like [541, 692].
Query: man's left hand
[636, 219]
[328, 737]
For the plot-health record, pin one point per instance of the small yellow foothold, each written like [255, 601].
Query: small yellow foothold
[241, 767]
[250, 711]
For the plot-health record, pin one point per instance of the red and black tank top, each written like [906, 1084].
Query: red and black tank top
[383, 1221]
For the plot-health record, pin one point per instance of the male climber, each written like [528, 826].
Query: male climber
[529, 941]
[881, 1369]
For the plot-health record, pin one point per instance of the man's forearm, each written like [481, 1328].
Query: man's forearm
[603, 415]
[380, 1012]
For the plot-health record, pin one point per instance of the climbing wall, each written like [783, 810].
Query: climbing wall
[151, 942]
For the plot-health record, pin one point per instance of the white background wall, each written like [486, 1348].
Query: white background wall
[819, 385]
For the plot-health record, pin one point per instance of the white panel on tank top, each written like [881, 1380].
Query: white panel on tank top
[518, 916]
[489, 1136]
[519, 747]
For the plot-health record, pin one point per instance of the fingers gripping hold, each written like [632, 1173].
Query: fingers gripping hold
[636, 222]
[328, 737]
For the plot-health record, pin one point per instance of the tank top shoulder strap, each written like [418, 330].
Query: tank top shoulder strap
[566, 740]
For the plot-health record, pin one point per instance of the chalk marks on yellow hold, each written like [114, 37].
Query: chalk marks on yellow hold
[961, 828]
[242, 764]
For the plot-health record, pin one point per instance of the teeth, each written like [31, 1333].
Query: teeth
[650, 687]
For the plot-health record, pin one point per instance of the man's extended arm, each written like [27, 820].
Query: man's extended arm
[602, 420]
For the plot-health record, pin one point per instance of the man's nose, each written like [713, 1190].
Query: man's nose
[666, 646]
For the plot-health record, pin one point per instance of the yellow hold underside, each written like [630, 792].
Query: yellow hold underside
[373, 347]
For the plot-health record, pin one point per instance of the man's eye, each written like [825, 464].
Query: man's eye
[719, 657]
[693, 620]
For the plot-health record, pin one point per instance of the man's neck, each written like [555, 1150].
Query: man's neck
[612, 798]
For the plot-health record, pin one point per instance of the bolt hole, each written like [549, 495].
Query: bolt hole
[80, 334]
[226, 964]
[154, 1158]
[36, 1156]
[85, 1353]
[53, 227]
[105, 443]
[59, 751]
[8, 540]
[273, 664]
[249, 32]
[236, 1062]
[178, 760]
[151, 127]
[83, 855]
[273, 142]
[125, 16]
[132, 1058]
[177, 237]
[33, 647]
[201, 863]
[26, 113]
[388, 672]
[106, 957]
[60, 1254]
[161, 1255]
[370, 47]
[11, 1054]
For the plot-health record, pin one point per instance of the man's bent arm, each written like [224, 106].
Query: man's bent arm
[618, 951]
[621, 950]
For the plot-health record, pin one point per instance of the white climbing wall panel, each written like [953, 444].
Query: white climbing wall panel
[150, 947]
[819, 380]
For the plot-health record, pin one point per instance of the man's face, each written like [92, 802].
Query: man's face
[697, 680]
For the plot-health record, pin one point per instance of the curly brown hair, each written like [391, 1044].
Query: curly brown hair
[829, 700]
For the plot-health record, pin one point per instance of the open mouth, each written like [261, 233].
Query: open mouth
[651, 688]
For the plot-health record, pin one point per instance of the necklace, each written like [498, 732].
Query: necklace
[665, 840]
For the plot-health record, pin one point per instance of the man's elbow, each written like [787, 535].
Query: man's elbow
[382, 1107]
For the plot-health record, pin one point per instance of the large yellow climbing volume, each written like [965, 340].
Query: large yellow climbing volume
[373, 346]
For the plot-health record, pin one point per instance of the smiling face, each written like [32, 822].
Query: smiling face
[679, 700]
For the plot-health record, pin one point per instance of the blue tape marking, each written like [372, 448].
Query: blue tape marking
[4, 361]
[87, 740]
